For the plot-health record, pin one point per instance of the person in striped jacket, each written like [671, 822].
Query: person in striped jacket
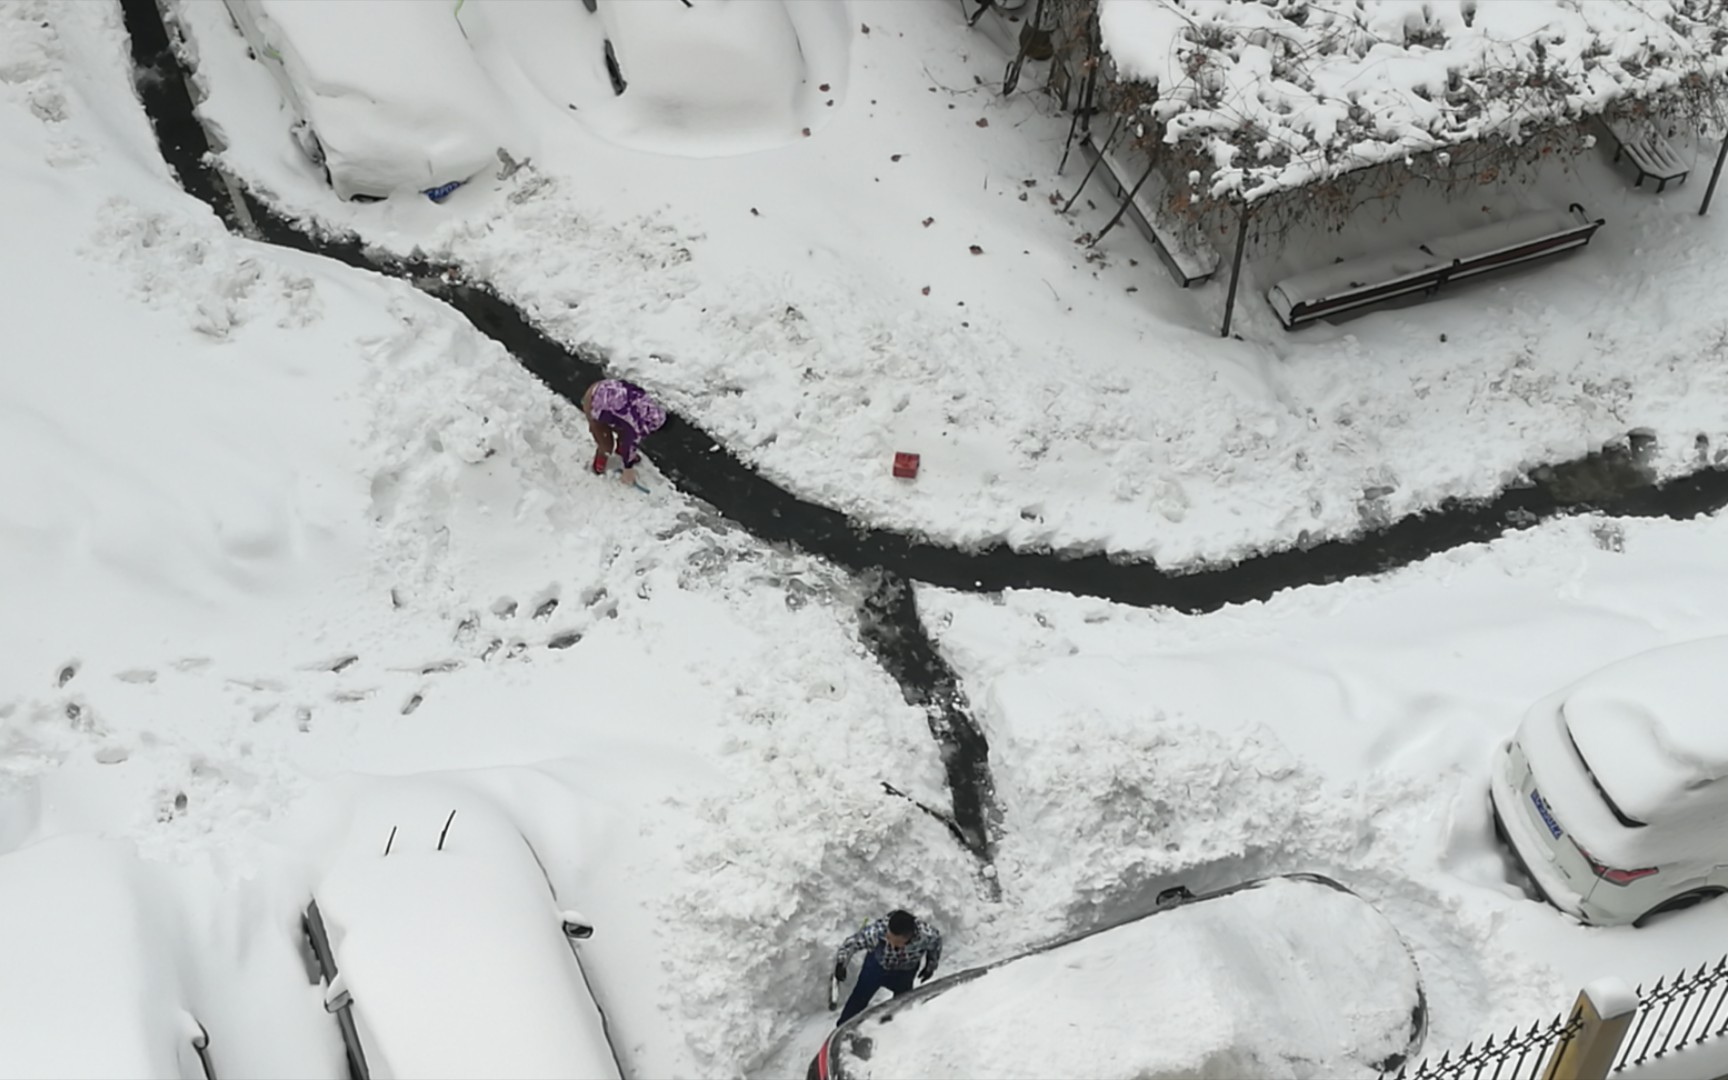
[893, 947]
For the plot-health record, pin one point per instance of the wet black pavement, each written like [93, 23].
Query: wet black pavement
[1612, 482]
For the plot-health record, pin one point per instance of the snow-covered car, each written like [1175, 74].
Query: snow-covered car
[1613, 794]
[387, 96]
[89, 982]
[1284, 976]
[443, 950]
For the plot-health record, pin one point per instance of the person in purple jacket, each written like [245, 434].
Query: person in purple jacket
[620, 415]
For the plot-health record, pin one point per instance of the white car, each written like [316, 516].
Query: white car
[1612, 793]
[388, 97]
[1285, 976]
[89, 985]
[443, 950]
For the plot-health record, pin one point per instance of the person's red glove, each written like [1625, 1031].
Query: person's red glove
[600, 457]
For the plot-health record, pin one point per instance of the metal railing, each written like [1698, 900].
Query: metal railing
[1517, 1056]
[1608, 1031]
[1673, 1015]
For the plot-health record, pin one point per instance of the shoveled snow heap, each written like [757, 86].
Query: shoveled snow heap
[1287, 978]
[1280, 93]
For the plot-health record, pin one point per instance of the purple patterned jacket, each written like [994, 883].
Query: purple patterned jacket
[628, 410]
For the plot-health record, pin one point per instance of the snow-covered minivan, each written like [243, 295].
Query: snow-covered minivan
[1613, 794]
[1284, 976]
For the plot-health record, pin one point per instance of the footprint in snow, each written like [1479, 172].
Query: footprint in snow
[67, 671]
[413, 702]
[137, 675]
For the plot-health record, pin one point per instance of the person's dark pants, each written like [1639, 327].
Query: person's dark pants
[872, 978]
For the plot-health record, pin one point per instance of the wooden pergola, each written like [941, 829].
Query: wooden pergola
[1240, 104]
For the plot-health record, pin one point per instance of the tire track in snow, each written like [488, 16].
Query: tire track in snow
[1614, 482]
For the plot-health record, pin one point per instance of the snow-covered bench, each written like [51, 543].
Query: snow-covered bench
[1372, 279]
[1648, 151]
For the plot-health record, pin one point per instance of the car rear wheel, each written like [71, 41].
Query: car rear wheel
[1678, 903]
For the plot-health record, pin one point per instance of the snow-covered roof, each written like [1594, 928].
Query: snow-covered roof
[1652, 729]
[1276, 94]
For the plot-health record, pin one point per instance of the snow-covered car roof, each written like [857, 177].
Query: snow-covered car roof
[1654, 729]
[451, 944]
[1285, 976]
[1275, 96]
[87, 975]
[416, 114]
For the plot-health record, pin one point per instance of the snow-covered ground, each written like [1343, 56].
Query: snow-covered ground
[778, 299]
[269, 523]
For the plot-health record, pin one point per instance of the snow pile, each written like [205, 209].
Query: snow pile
[778, 867]
[1270, 96]
[194, 267]
[1286, 978]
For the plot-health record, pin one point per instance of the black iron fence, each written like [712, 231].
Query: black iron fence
[1517, 1056]
[1673, 1015]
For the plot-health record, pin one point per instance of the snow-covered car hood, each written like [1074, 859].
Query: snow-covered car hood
[1289, 976]
[451, 943]
[420, 114]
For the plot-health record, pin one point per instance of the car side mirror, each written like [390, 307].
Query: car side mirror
[576, 928]
[1176, 894]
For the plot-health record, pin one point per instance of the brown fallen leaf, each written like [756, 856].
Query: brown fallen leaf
[929, 221]
[925, 290]
[755, 212]
[896, 157]
[976, 250]
[830, 103]
[864, 28]
[806, 133]
[823, 88]
[982, 122]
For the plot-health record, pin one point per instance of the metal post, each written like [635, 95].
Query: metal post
[1236, 267]
[1602, 1013]
[1721, 157]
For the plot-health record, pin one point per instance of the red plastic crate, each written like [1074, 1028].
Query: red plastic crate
[906, 466]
